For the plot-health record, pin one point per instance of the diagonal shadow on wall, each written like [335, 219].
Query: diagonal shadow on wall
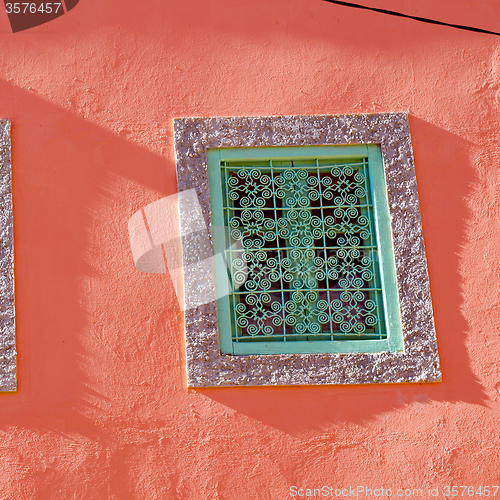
[444, 176]
[67, 171]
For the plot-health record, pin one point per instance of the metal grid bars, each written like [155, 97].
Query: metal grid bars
[301, 251]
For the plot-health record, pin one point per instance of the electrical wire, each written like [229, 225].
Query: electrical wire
[415, 18]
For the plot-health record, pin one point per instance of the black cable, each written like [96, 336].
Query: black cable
[416, 18]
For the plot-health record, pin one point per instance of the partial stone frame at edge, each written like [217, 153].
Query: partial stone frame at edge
[419, 362]
[8, 380]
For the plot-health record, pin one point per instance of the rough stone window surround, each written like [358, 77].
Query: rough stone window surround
[7, 316]
[419, 360]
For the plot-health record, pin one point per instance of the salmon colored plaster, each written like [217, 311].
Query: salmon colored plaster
[102, 410]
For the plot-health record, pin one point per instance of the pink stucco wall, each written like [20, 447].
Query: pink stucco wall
[102, 410]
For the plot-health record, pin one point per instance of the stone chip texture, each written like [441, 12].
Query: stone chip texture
[7, 312]
[419, 361]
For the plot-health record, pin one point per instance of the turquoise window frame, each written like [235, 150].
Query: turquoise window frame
[385, 248]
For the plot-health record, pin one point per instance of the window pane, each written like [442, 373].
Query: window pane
[302, 250]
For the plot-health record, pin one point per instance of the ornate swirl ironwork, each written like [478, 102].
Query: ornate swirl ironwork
[308, 248]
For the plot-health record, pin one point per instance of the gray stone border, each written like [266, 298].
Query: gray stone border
[7, 313]
[419, 362]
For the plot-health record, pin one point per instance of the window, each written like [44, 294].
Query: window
[318, 221]
[7, 323]
[302, 250]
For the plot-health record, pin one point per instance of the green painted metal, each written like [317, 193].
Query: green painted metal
[308, 248]
[386, 249]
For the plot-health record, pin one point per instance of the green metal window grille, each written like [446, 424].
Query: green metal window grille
[301, 246]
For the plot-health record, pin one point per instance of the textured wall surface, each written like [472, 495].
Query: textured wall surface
[102, 409]
[7, 312]
[419, 361]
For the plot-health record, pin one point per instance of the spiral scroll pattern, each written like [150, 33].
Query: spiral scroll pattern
[307, 243]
